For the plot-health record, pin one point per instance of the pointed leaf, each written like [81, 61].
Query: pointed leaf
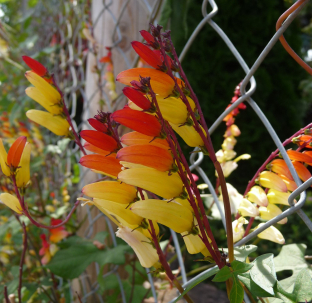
[237, 292]
[223, 275]
[240, 267]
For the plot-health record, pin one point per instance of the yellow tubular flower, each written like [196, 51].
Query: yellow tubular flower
[271, 234]
[194, 244]
[172, 215]
[55, 124]
[35, 94]
[43, 87]
[247, 209]
[118, 210]
[3, 158]
[141, 245]
[258, 196]
[153, 180]
[188, 133]
[271, 180]
[238, 229]
[23, 173]
[111, 190]
[270, 212]
[278, 197]
[11, 201]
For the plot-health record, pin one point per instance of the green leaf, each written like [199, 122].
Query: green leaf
[291, 257]
[107, 283]
[263, 272]
[237, 292]
[223, 274]
[280, 293]
[252, 286]
[303, 286]
[70, 261]
[240, 267]
[195, 281]
[242, 252]
[165, 13]
[138, 293]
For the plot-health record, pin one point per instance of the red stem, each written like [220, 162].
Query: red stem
[6, 294]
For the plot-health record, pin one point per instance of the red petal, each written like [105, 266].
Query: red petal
[96, 124]
[94, 149]
[147, 54]
[147, 36]
[137, 97]
[138, 121]
[134, 138]
[99, 139]
[36, 66]
[15, 152]
[148, 155]
[107, 165]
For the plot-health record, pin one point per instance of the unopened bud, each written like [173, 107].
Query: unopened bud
[155, 30]
[167, 46]
[308, 131]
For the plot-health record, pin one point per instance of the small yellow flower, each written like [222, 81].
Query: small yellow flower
[238, 229]
[270, 212]
[3, 159]
[172, 214]
[271, 180]
[153, 180]
[141, 245]
[278, 197]
[247, 209]
[271, 234]
[56, 124]
[188, 133]
[23, 172]
[258, 196]
[11, 201]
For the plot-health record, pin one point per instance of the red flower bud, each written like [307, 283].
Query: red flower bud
[15, 152]
[96, 124]
[137, 97]
[36, 66]
[99, 140]
[138, 121]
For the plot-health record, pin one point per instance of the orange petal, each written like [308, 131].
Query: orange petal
[303, 140]
[99, 139]
[161, 83]
[280, 167]
[148, 155]
[302, 171]
[94, 149]
[134, 138]
[107, 165]
[139, 121]
[308, 153]
[291, 185]
[298, 156]
[15, 152]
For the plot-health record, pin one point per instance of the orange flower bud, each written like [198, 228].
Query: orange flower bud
[99, 139]
[161, 83]
[15, 152]
[138, 121]
[291, 185]
[280, 167]
[148, 155]
[134, 138]
[302, 171]
[94, 149]
[107, 165]
[298, 156]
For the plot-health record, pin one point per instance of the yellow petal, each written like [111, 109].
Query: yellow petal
[145, 252]
[3, 159]
[271, 234]
[247, 209]
[111, 190]
[258, 196]
[55, 124]
[23, 173]
[44, 101]
[188, 133]
[118, 210]
[270, 212]
[153, 180]
[44, 87]
[278, 197]
[173, 215]
[271, 180]
[12, 202]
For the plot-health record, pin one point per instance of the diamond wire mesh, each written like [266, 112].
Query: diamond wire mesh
[73, 56]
